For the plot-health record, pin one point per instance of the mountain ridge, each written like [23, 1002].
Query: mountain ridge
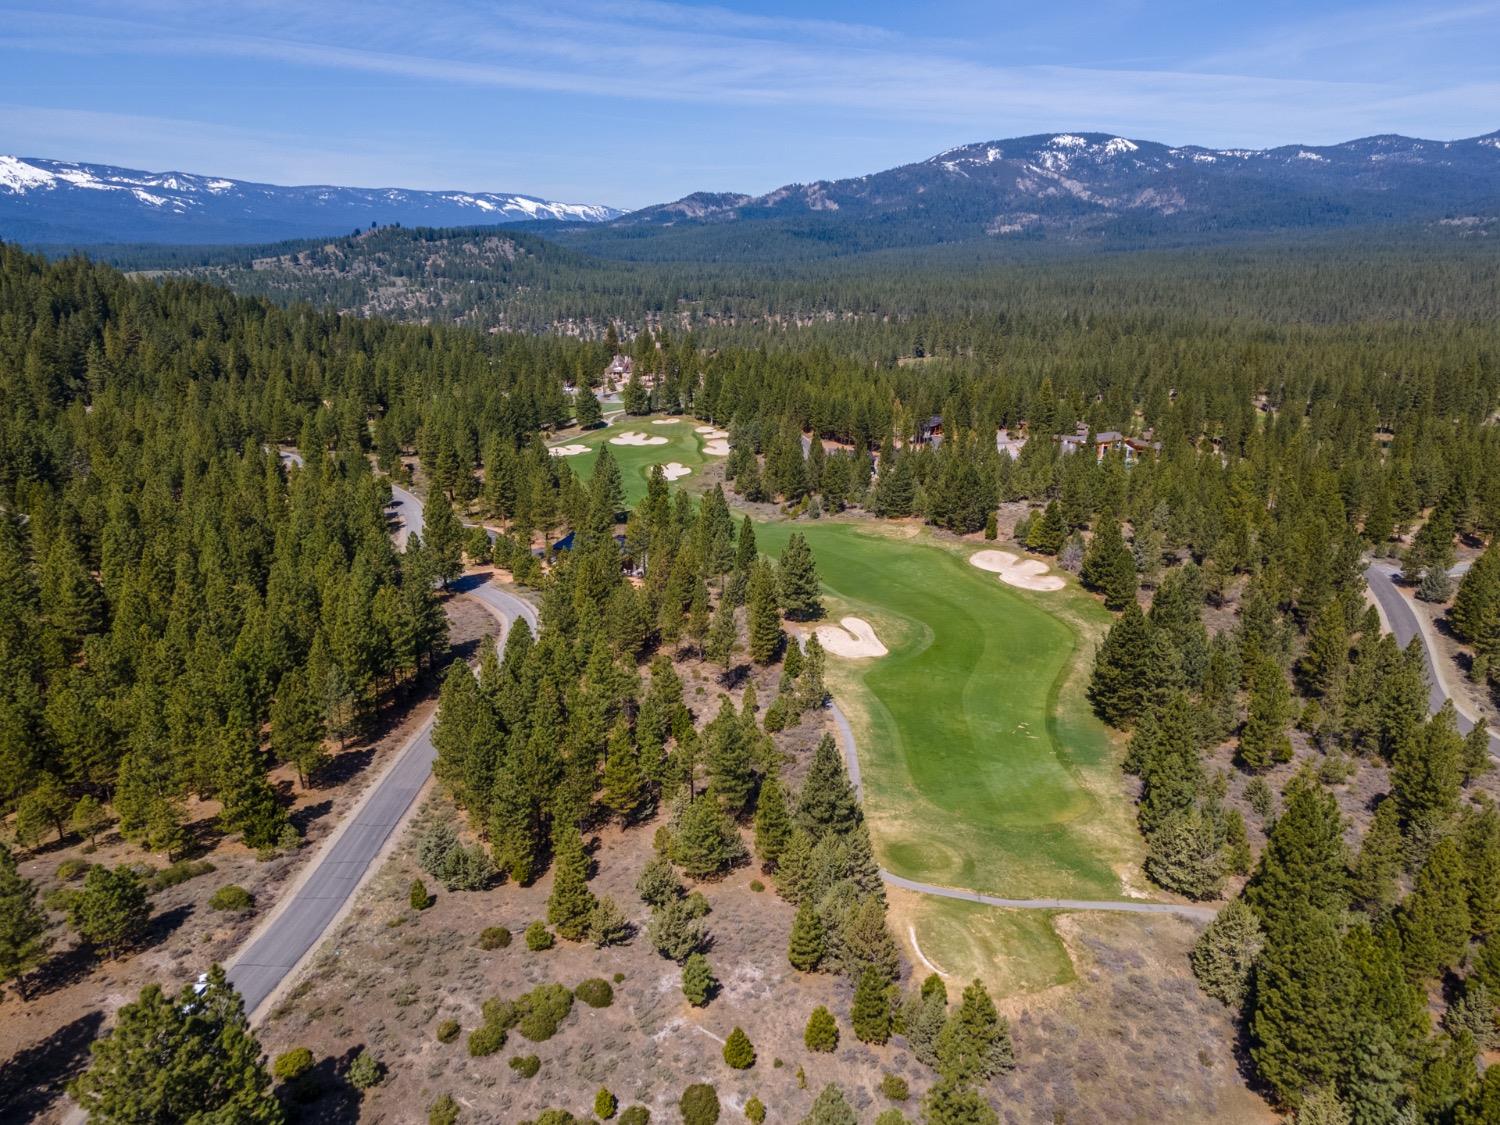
[44, 200]
[1101, 185]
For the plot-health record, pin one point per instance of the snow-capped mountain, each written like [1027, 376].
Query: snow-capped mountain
[1096, 182]
[54, 201]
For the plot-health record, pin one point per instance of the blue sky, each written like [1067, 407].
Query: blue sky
[630, 102]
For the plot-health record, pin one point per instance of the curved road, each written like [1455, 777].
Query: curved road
[324, 890]
[1405, 623]
[851, 763]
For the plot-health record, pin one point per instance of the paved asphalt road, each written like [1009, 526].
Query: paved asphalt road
[300, 922]
[1401, 616]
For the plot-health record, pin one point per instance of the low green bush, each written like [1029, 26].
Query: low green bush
[70, 869]
[894, 1087]
[541, 1010]
[419, 897]
[595, 992]
[233, 898]
[699, 1104]
[538, 938]
[525, 1065]
[365, 1071]
[605, 1104]
[635, 1115]
[179, 872]
[494, 937]
[292, 1065]
[444, 1111]
[755, 1110]
[447, 1031]
[486, 1040]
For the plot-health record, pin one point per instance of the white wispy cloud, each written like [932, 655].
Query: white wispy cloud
[1317, 79]
[646, 49]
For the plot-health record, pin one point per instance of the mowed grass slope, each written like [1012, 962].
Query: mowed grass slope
[983, 767]
[684, 446]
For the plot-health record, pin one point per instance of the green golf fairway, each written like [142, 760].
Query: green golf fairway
[684, 446]
[983, 767]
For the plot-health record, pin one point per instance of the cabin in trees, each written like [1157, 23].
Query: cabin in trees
[930, 431]
[618, 371]
[1106, 442]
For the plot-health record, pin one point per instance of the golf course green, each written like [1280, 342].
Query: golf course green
[684, 445]
[983, 766]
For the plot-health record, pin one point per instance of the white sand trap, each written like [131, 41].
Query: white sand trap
[851, 637]
[630, 437]
[567, 450]
[665, 421]
[704, 430]
[1027, 574]
[674, 469]
[716, 448]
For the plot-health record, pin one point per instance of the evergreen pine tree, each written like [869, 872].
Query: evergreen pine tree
[297, 726]
[443, 538]
[1108, 568]
[1434, 919]
[571, 903]
[1225, 954]
[821, 1033]
[763, 617]
[1379, 863]
[698, 983]
[1426, 778]
[722, 636]
[1127, 676]
[956, 1103]
[806, 947]
[1476, 761]
[830, 1108]
[1302, 868]
[624, 786]
[189, 1059]
[250, 805]
[739, 1053]
[1048, 531]
[1299, 1025]
[773, 823]
[827, 801]
[1264, 740]
[705, 843]
[871, 1013]
[111, 910]
[23, 925]
[975, 1042]
[798, 577]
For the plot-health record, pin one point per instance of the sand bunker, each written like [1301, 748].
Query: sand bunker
[567, 450]
[706, 430]
[665, 421]
[674, 469]
[1027, 574]
[630, 437]
[716, 448]
[851, 637]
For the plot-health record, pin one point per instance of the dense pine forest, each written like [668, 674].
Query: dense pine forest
[182, 607]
